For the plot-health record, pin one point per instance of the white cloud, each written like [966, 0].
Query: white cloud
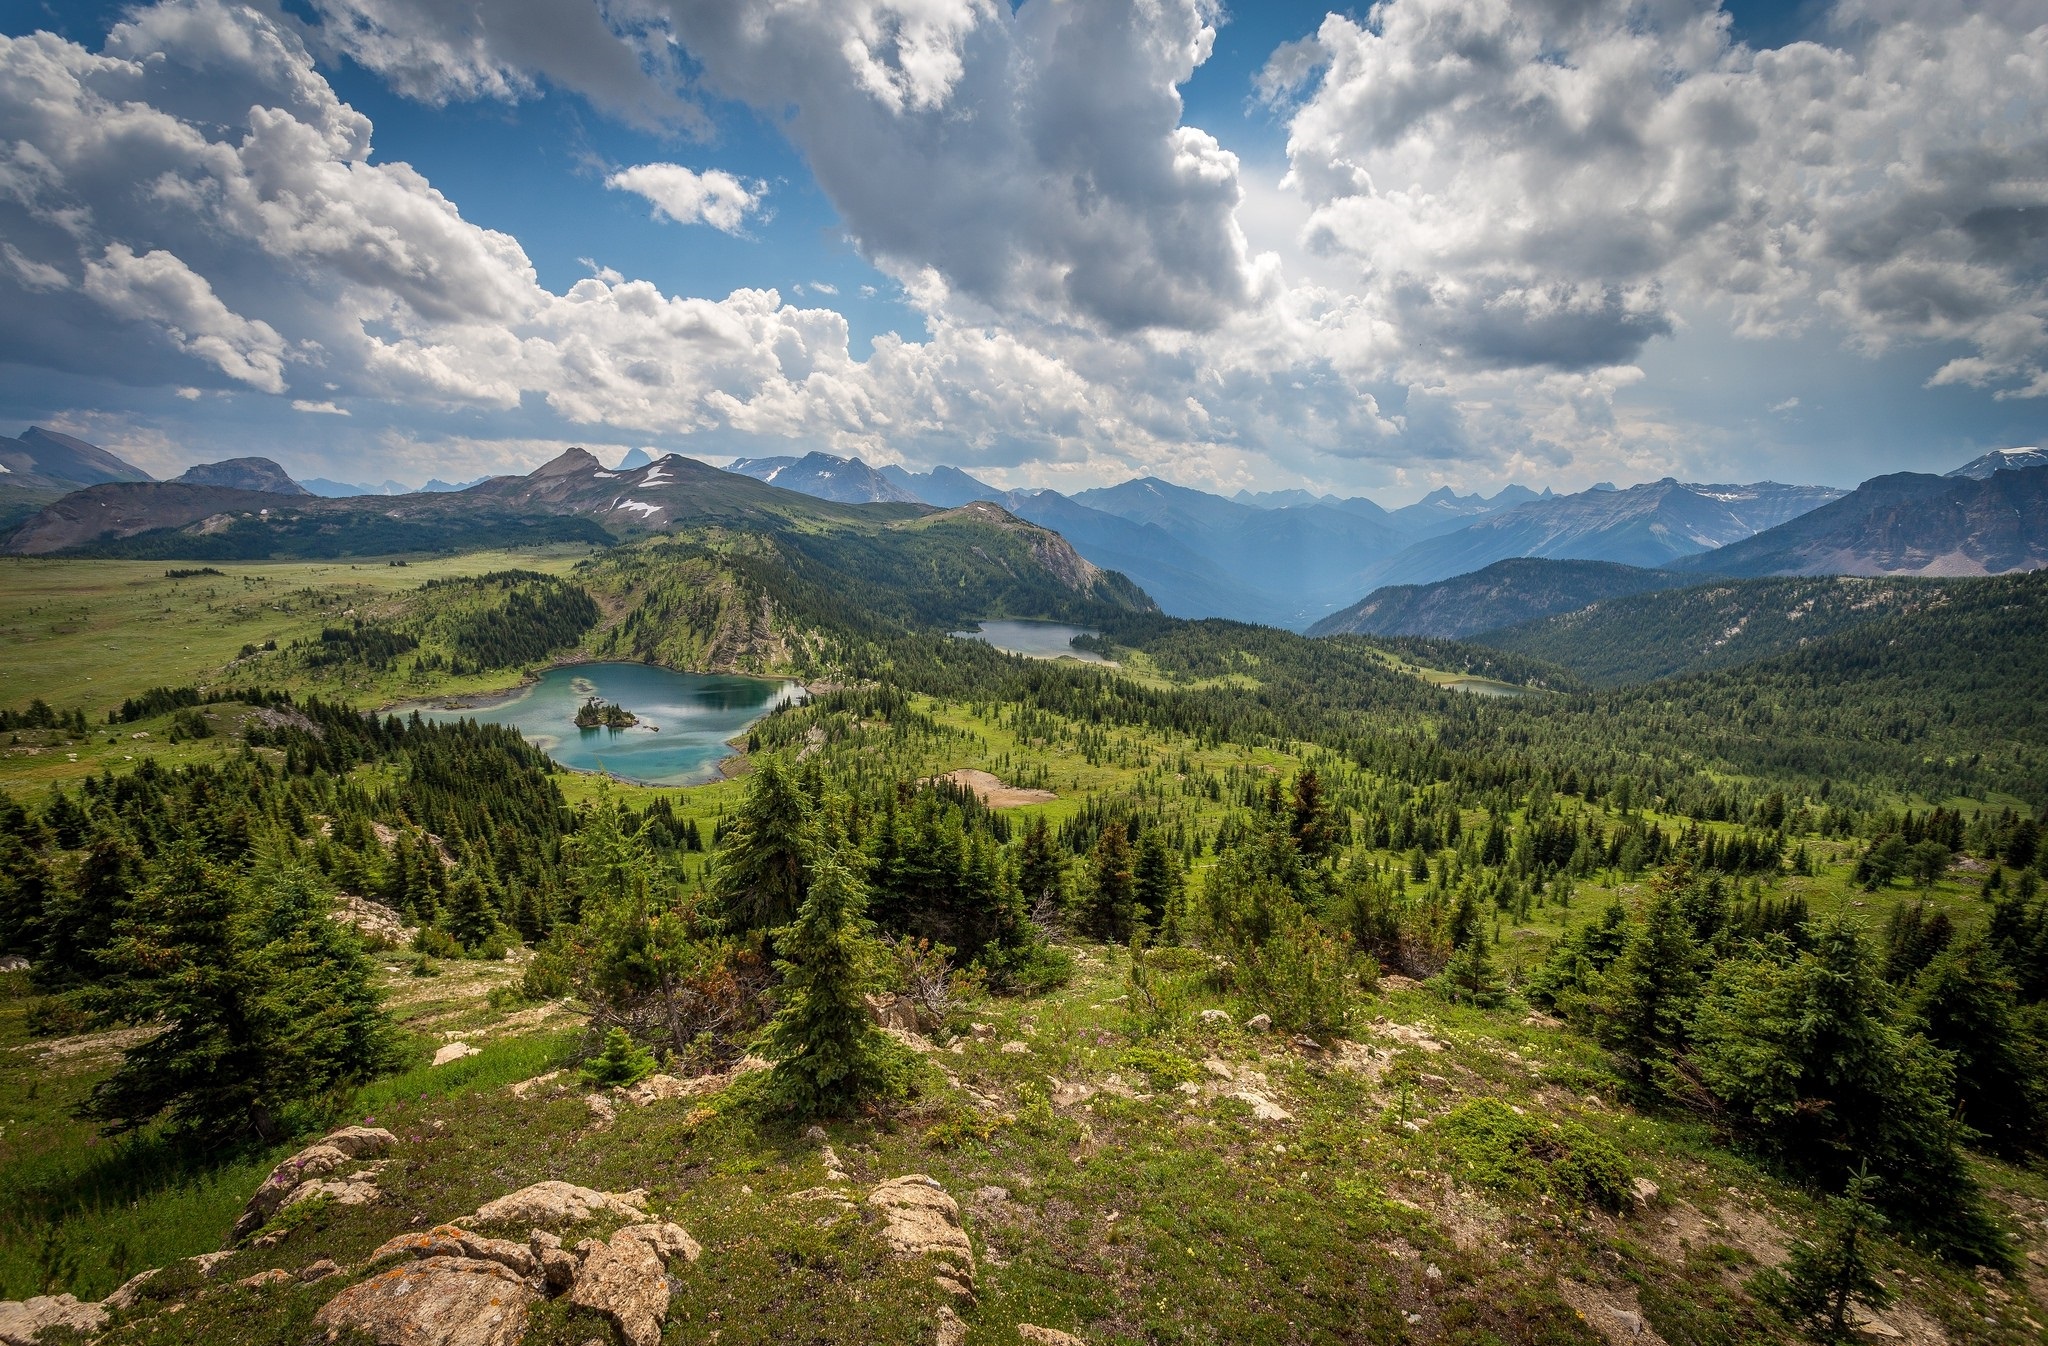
[1496, 208]
[713, 197]
[1539, 184]
[157, 287]
[318, 408]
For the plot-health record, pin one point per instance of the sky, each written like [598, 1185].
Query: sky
[1055, 243]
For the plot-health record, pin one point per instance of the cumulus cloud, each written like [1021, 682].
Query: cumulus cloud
[159, 288]
[1541, 184]
[713, 197]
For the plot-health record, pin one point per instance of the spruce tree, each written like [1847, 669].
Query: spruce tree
[621, 1064]
[325, 1023]
[1309, 821]
[1965, 1003]
[1155, 879]
[1041, 873]
[828, 1054]
[179, 961]
[762, 862]
[1649, 991]
[1111, 911]
[1835, 1269]
[470, 915]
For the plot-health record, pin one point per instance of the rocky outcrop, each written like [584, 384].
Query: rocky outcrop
[436, 1301]
[380, 926]
[552, 1205]
[920, 1220]
[23, 1320]
[626, 1280]
[459, 1288]
[305, 1175]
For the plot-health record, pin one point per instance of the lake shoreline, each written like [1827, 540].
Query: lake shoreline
[693, 726]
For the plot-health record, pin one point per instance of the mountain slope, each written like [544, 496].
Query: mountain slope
[1999, 460]
[1643, 636]
[1444, 511]
[946, 487]
[1908, 523]
[1505, 593]
[1650, 525]
[63, 460]
[849, 480]
[1298, 561]
[242, 474]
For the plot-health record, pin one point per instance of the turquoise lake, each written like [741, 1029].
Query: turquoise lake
[685, 718]
[1039, 640]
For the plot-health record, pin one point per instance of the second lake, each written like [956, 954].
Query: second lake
[685, 718]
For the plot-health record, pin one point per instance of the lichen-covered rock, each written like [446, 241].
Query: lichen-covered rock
[437, 1301]
[552, 1205]
[669, 1241]
[23, 1320]
[920, 1220]
[454, 1051]
[454, 1241]
[626, 1281]
[332, 1151]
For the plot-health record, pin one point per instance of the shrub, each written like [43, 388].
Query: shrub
[1503, 1149]
[1303, 977]
[623, 1062]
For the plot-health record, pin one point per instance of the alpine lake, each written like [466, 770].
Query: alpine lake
[684, 719]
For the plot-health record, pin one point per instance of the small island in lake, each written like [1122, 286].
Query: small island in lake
[597, 714]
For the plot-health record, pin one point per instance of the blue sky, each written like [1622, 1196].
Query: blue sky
[1389, 271]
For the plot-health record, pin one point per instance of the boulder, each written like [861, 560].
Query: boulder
[380, 926]
[23, 1320]
[551, 1205]
[952, 1331]
[920, 1220]
[623, 1280]
[1215, 1018]
[130, 1291]
[332, 1151]
[453, 1241]
[454, 1051]
[1260, 1023]
[1046, 1336]
[669, 1241]
[893, 1011]
[602, 1114]
[436, 1301]
[1263, 1108]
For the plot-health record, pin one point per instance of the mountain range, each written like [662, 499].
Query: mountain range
[1503, 594]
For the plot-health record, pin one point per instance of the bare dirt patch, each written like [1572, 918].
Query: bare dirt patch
[989, 788]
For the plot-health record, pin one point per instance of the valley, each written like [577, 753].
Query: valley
[1217, 981]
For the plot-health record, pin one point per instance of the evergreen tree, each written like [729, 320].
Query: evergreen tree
[1470, 977]
[179, 961]
[25, 892]
[470, 915]
[1041, 873]
[1310, 822]
[1111, 911]
[1649, 991]
[762, 862]
[1965, 1003]
[324, 1023]
[621, 1064]
[1155, 879]
[80, 915]
[1802, 1051]
[828, 1054]
[1836, 1268]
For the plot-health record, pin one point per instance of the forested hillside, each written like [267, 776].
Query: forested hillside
[1643, 637]
[1271, 946]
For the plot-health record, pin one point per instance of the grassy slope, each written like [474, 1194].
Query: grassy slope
[1215, 1234]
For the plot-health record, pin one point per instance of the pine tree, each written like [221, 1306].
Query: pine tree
[79, 916]
[326, 1025]
[763, 860]
[1111, 903]
[1470, 976]
[828, 1054]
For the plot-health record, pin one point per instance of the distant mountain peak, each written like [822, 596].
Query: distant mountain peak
[62, 461]
[826, 477]
[242, 474]
[634, 458]
[2002, 460]
[568, 463]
